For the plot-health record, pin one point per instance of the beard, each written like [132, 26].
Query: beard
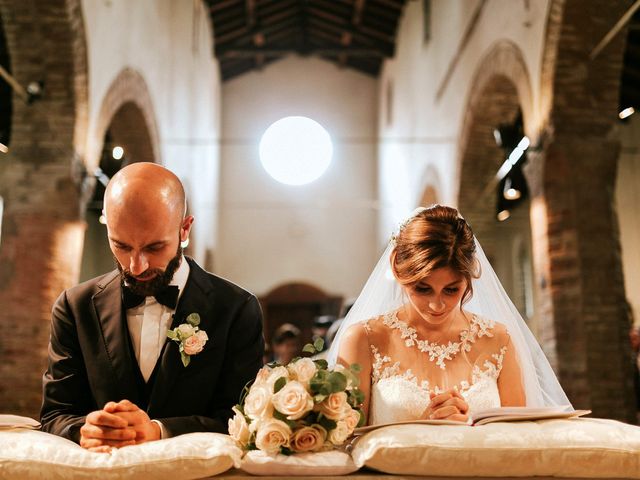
[159, 281]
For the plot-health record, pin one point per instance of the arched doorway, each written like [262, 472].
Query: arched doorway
[128, 137]
[298, 304]
[500, 96]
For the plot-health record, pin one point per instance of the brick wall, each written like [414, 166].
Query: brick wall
[583, 292]
[41, 183]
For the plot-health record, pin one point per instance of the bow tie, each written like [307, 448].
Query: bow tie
[167, 297]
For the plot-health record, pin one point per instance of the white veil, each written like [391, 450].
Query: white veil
[382, 294]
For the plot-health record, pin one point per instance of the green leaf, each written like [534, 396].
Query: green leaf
[355, 368]
[193, 319]
[245, 391]
[362, 419]
[326, 423]
[286, 451]
[337, 381]
[359, 396]
[308, 348]
[281, 382]
[172, 335]
[319, 398]
[279, 415]
[321, 363]
[185, 358]
[319, 344]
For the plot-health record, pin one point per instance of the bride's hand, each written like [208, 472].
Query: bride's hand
[449, 405]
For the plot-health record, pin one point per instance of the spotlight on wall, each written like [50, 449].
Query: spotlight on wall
[515, 185]
[503, 215]
[34, 89]
[626, 113]
[117, 153]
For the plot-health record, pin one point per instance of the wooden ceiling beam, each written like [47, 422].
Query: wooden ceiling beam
[341, 23]
[217, 5]
[251, 52]
[386, 47]
[250, 6]
[358, 8]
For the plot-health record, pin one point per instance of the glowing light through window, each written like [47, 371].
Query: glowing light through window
[296, 150]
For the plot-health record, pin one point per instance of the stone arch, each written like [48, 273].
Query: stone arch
[42, 185]
[575, 223]
[127, 120]
[128, 100]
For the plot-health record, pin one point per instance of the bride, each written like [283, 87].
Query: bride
[435, 334]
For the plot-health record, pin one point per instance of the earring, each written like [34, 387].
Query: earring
[184, 243]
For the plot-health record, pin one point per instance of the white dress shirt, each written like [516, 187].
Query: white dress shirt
[149, 322]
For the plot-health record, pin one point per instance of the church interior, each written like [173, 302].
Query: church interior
[520, 113]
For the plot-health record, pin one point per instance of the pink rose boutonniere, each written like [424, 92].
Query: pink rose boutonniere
[189, 337]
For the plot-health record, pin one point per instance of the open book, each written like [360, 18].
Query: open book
[501, 414]
[14, 421]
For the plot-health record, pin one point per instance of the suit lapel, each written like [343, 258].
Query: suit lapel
[193, 300]
[108, 311]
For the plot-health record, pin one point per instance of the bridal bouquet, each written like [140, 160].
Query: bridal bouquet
[300, 407]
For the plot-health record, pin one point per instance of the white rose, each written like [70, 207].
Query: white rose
[272, 434]
[263, 375]
[275, 374]
[293, 400]
[303, 370]
[258, 401]
[308, 439]
[185, 330]
[352, 419]
[238, 428]
[334, 405]
[338, 435]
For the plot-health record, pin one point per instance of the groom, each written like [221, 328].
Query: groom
[114, 378]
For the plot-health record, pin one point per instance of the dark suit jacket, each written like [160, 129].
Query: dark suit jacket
[91, 361]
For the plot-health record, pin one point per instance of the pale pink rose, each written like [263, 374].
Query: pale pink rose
[238, 428]
[185, 330]
[334, 405]
[272, 434]
[352, 418]
[308, 439]
[195, 343]
[338, 435]
[257, 404]
[302, 370]
[293, 400]
[275, 374]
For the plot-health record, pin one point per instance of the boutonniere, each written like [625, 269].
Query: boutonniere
[189, 337]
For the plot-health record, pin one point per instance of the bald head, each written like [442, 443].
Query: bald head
[147, 190]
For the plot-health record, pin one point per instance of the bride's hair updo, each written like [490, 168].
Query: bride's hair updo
[434, 238]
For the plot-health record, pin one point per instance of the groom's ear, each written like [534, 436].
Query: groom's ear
[185, 228]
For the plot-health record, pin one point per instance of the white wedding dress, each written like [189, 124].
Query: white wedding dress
[405, 369]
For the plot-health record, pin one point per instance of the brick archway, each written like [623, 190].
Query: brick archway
[573, 211]
[501, 92]
[41, 181]
[501, 89]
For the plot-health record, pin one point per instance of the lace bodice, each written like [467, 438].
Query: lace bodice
[401, 381]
